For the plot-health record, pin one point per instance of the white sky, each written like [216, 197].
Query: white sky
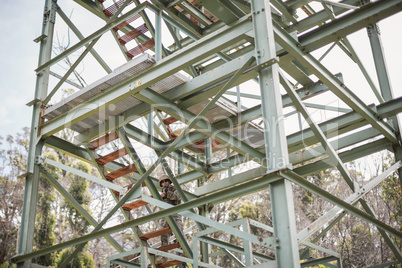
[21, 23]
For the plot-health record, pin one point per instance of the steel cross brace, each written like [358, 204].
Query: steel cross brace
[82, 174]
[160, 146]
[214, 77]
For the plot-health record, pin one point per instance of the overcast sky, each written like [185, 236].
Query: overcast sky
[21, 23]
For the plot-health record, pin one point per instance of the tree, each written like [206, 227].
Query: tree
[12, 165]
[81, 260]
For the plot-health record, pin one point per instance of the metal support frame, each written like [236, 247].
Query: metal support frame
[222, 44]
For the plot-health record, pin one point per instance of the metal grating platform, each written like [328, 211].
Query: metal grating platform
[140, 64]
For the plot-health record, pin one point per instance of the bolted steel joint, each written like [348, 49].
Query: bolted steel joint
[39, 159]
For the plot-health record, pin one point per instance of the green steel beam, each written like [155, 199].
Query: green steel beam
[322, 261]
[324, 250]
[347, 156]
[90, 6]
[160, 146]
[342, 124]
[266, 242]
[356, 59]
[126, 264]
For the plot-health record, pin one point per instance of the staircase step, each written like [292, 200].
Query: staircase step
[112, 156]
[116, 193]
[102, 141]
[136, 204]
[120, 172]
[169, 247]
[170, 120]
[150, 43]
[170, 263]
[133, 34]
[156, 233]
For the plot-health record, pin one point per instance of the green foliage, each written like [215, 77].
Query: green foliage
[392, 195]
[12, 165]
[81, 260]
[247, 209]
[8, 265]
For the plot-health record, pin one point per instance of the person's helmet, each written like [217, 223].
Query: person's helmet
[162, 178]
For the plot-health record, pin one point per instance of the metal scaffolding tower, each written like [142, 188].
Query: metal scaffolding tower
[233, 78]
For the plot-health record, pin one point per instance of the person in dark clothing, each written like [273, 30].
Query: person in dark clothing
[170, 196]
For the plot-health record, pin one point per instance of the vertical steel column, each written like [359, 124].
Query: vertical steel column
[275, 139]
[158, 35]
[373, 32]
[248, 246]
[35, 146]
